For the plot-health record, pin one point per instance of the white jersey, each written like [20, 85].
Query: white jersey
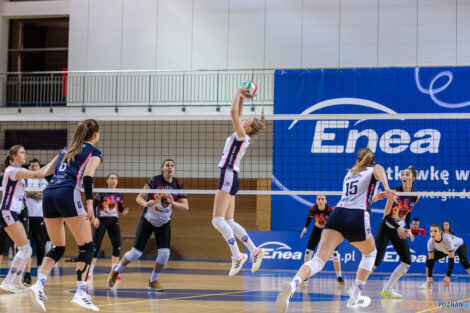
[234, 150]
[13, 190]
[35, 206]
[446, 245]
[358, 190]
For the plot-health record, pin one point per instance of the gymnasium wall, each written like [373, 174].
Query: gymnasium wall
[234, 34]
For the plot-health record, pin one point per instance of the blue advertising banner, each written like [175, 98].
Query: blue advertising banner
[315, 154]
[285, 250]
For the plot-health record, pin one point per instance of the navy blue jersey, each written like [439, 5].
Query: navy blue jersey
[71, 175]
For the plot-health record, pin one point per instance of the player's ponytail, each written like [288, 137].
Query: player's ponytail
[84, 132]
[365, 158]
[12, 152]
[258, 124]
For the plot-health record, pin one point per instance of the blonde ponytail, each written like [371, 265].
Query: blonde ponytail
[258, 124]
[365, 158]
[84, 132]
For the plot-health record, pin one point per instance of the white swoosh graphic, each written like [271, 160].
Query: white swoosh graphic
[345, 101]
[282, 245]
[432, 92]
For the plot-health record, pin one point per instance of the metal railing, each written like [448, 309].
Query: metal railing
[131, 88]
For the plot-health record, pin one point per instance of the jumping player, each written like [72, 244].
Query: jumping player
[107, 206]
[224, 202]
[441, 245]
[156, 217]
[395, 227]
[12, 204]
[320, 212]
[349, 220]
[62, 202]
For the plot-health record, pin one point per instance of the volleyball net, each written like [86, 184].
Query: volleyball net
[295, 154]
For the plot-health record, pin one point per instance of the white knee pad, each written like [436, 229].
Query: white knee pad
[316, 265]
[133, 255]
[163, 256]
[308, 255]
[368, 260]
[336, 256]
[218, 223]
[403, 268]
[25, 252]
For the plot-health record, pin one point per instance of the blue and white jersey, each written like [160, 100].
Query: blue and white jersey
[71, 175]
[447, 244]
[13, 190]
[358, 190]
[234, 150]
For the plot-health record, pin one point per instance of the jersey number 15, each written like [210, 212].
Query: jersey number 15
[351, 188]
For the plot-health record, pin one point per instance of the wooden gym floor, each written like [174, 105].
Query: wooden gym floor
[205, 287]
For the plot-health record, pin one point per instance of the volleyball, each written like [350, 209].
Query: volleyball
[251, 88]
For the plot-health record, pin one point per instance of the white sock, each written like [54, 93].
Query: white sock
[358, 287]
[242, 235]
[338, 274]
[113, 265]
[119, 268]
[154, 276]
[92, 267]
[296, 281]
[41, 281]
[398, 272]
[227, 233]
[81, 287]
[17, 267]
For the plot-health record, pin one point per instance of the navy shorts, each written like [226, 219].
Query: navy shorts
[229, 181]
[8, 217]
[62, 202]
[353, 224]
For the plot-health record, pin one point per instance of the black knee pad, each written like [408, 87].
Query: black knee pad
[465, 263]
[117, 251]
[86, 252]
[56, 253]
[96, 252]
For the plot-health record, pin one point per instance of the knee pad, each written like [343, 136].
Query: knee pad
[336, 256]
[163, 256]
[95, 253]
[85, 253]
[56, 252]
[218, 223]
[316, 265]
[25, 252]
[403, 268]
[465, 263]
[117, 251]
[368, 260]
[308, 255]
[133, 255]
[238, 230]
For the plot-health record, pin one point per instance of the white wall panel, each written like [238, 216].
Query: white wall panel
[320, 41]
[210, 34]
[463, 32]
[246, 34]
[283, 34]
[358, 33]
[436, 32]
[174, 38]
[397, 32]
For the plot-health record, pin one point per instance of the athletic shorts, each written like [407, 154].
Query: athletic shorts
[353, 224]
[144, 231]
[62, 202]
[8, 217]
[229, 181]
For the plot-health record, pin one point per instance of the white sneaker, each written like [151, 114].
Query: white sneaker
[37, 296]
[237, 264]
[391, 293]
[256, 259]
[425, 286]
[21, 287]
[10, 287]
[362, 302]
[282, 300]
[83, 300]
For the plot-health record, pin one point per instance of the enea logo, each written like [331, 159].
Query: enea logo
[391, 141]
[276, 250]
[392, 256]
